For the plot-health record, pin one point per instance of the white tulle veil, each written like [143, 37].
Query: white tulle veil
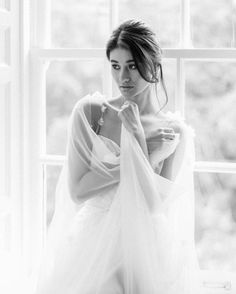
[148, 231]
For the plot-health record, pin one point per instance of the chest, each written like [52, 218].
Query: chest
[111, 127]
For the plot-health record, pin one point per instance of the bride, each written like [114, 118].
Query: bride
[123, 222]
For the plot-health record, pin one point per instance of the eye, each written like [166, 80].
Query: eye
[115, 66]
[132, 66]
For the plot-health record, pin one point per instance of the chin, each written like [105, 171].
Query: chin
[134, 93]
[128, 94]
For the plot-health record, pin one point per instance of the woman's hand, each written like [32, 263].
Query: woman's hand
[129, 115]
[159, 140]
[163, 134]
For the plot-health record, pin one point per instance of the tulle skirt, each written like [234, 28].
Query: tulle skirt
[103, 248]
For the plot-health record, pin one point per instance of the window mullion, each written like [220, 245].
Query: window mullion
[75, 53]
[185, 37]
[68, 53]
[218, 281]
[210, 54]
[34, 202]
[233, 23]
[41, 23]
[107, 79]
[114, 14]
[215, 167]
[180, 86]
[52, 159]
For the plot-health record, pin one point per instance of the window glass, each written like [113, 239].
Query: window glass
[213, 23]
[211, 108]
[162, 16]
[216, 221]
[67, 82]
[79, 23]
[169, 74]
[52, 176]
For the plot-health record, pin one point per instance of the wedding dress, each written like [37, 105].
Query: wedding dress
[134, 236]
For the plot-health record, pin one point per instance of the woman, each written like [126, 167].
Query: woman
[123, 221]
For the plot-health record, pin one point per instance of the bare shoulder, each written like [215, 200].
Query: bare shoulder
[177, 122]
[90, 105]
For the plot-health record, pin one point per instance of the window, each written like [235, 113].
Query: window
[66, 42]
[11, 152]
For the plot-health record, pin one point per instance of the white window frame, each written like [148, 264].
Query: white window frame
[11, 113]
[35, 55]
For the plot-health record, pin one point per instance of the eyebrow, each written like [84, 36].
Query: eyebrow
[128, 61]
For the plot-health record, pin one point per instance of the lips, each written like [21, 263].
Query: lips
[126, 87]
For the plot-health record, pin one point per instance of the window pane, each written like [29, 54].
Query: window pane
[157, 14]
[169, 74]
[212, 23]
[80, 23]
[67, 82]
[52, 175]
[211, 108]
[216, 221]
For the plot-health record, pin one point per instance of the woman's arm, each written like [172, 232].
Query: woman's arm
[91, 184]
[140, 137]
[83, 181]
[173, 163]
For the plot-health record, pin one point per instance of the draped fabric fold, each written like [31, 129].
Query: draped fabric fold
[135, 234]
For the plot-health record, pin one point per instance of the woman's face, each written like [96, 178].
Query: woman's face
[125, 73]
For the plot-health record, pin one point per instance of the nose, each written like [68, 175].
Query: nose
[124, 76]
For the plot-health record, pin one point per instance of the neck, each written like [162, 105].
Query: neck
[147, 101]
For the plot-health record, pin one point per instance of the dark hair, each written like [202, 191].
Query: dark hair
[137, 37]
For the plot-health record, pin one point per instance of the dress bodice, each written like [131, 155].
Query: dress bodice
[106, 150]
[158, 151]
[111, 145]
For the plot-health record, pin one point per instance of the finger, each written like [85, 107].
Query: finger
[160, 130]
[133, 104]
[163, 135]
[126, 102]
[169, 130]
[124, 106]
[166, 130]
[169, 137]
[130, 105]
[135, 107]
[128, 109]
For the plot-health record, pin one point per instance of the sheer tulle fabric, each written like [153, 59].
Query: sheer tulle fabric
[135, 236]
